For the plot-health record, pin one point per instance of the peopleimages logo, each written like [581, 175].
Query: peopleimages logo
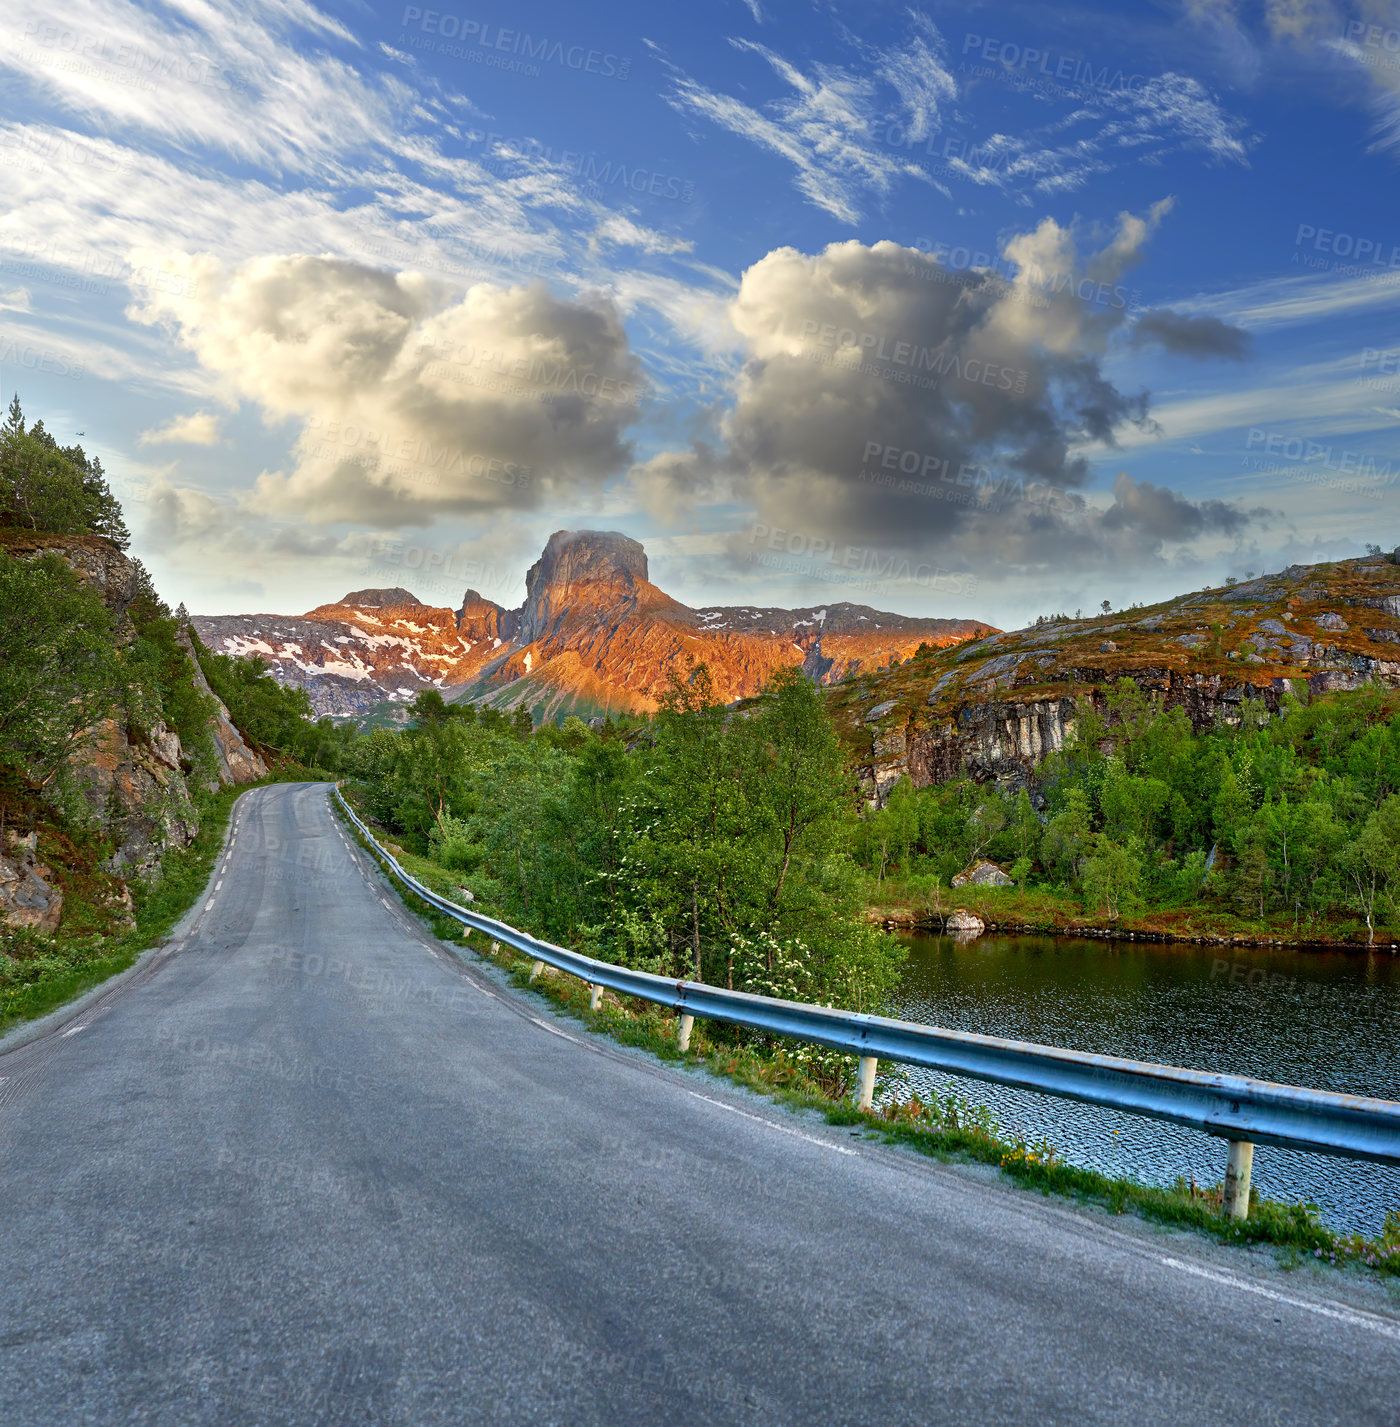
[960, 258]
[1327, 458]
[1348, 245]
[499, 42]
[1047, 66]
[907, 354]
[588, 167]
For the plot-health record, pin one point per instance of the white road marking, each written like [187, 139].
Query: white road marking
[1341, 1315]
[553, 1030]
[782, 1129]
[218, 884]
[208, 904]
[73, 1030]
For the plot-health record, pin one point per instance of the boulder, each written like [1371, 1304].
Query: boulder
[982, 874]
[964, 921]
[1331, 620]
[27, 898]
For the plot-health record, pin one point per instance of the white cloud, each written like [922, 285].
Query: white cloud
[199, 428]
[1289, 301]
[413, 403]
[201, 76]
[892, 403]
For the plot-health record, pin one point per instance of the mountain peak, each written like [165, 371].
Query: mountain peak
[379, 599]
[581, 570]
[577, 556]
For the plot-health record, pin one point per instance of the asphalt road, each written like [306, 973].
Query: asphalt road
[304, 1166]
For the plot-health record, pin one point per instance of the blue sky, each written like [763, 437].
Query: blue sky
[950, 309]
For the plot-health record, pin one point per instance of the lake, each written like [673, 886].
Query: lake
[1329, 1020]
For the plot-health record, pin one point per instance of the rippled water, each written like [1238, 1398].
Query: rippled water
[1325, 1019]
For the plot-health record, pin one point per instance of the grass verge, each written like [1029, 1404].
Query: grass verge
[950, 1130]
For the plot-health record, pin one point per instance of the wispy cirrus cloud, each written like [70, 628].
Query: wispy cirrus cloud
[1170, 113]
[204, 78]
[195, 129]
[849, 133]
[828, 124]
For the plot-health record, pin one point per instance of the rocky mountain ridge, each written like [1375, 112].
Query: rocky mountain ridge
[592, 636]
[992, 708]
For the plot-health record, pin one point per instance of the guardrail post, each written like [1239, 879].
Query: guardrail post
[1238, 1169]
[595, 996]
[683, 1040]
[534, 970]
[865, 1096]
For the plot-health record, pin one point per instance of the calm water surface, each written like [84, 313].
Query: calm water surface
[1330, 1020]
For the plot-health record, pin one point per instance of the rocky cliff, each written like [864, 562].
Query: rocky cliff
[593, 636]
[136, 784]
[991, 709]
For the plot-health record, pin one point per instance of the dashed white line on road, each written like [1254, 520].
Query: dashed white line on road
[218, 884]
[73, 1030]
[1342, 1315]
[782, 1129]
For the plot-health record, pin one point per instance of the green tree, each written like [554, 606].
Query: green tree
[1025, 829]
[60, 672]
[428, 707]
[801, 788]
[1068, 836]
[693, 853]
[1372, 864]
[54, 489]
[1112, 874]
[270, 715]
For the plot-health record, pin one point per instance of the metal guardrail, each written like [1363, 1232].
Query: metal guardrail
[1245, 1112]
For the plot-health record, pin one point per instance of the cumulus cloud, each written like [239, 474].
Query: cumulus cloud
[1187, 336]
[411, 403]
[890, 401]
[199, 428]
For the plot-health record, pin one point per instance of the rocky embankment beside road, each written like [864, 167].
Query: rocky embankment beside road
[137, 787]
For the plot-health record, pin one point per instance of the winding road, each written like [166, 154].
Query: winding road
[305, 1165]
